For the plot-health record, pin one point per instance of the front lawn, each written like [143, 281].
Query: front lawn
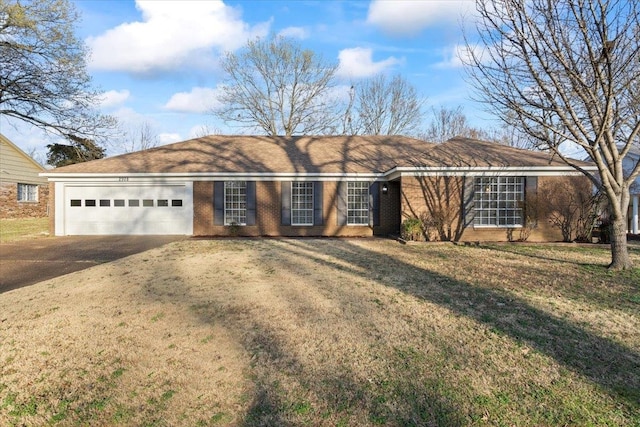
[27, 228]
[334, 332]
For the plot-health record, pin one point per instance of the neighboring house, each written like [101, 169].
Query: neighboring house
[307, 186]
[23, 192]
[629, 161]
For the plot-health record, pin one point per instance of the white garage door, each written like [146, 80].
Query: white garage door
[128, 209]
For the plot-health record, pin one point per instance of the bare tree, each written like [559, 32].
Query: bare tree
[43, 78]
[206, 130]
[277, 86]
[445, 124]
[387, 107]
[567, 72]
[136, 138]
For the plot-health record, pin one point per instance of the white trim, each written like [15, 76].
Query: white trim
[488, 171]
[333, 176]
[181, 177]
[634, 214]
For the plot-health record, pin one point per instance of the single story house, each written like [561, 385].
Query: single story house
[23, 192]
[307, 186]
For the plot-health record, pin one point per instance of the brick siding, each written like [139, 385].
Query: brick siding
[11, 208]
[268, 214]
[444, 195]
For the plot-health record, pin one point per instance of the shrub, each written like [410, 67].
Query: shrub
[413, 229]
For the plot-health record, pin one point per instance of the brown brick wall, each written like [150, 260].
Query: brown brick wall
[203, 208]
[11, 208]
[444, 194]
[268, 212]
[406, 198]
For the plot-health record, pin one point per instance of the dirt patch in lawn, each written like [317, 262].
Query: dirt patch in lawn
[327, 332]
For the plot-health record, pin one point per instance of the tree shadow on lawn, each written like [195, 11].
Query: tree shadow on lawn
[531, 252]
[603, 361]
[418, 399]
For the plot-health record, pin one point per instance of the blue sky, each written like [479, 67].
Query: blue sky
[157, 61]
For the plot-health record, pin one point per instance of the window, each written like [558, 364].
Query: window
[76, 202]
[235, 203]
[105, 202]
[118, 203]
[147, 203]
[176, 202]
[134, 203]
[163, 203]
[302, 203]
[357, 203]
[498, 201]
[90, 202]
[27, 193]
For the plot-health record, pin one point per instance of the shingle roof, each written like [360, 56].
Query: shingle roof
[309, 154]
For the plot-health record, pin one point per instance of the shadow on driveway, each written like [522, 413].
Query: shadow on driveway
[27, 262]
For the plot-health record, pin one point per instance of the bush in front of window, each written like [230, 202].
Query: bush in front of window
[572, 208]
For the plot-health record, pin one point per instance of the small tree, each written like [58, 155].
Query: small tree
[277, 86]
[567, 72]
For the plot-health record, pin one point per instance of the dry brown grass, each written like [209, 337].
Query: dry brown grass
[26, 228]
[327, 332]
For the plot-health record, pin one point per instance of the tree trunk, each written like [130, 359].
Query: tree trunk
[620, 259]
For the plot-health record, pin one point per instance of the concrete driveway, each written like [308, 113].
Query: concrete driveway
[27, 262]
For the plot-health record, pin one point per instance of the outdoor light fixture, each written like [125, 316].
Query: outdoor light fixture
[385, 188]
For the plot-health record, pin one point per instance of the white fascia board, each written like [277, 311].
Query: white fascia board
[488, 171]
[187, 177]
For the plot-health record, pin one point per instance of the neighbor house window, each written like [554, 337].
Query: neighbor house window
[498, 201]
[27, 193]
[302, 203]
[235, 203]
[357, 203]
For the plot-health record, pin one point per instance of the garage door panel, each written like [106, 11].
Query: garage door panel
[127, 209]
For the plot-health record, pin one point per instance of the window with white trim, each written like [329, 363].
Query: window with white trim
[27, 193]
[301, 203]
[235, 203]
[498, 201]
[357, 203]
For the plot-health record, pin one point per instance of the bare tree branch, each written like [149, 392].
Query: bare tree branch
[43, 78]
[387, 107]
[567, 72]
[276, 86]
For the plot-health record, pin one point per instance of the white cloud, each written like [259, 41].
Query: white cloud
[294, 32]
[358, 62]
[459, 55]
[199, 100]
[168, 138]
[409, 17]
[114, 98]
[171, 34]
